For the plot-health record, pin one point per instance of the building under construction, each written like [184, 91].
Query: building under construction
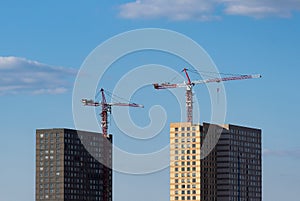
[230, 172]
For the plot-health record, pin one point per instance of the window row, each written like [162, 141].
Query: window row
[185, 181]
[185, 157]
[187, 169]
[185, 152]
[51, 174]
[42, 140]
[176, 163]
[51, 135]
[185, 128]
[193, 134]
[176, 146]
[44, 147]
[187, 175]
[186, 140]
[186, 198]
[186, 192]
[188, 186]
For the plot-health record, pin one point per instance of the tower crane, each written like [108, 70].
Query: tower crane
[105, 110]
[190, 84]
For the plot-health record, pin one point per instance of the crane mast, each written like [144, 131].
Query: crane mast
[105, 109]
[190, 84]
[189, 97]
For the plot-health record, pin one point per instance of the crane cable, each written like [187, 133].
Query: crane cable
[209, 72]
[113, 97]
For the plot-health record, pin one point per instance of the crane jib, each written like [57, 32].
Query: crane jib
[190, 84]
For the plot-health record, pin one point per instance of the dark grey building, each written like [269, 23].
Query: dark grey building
[233, 170]
[239, 164]
[69, 165]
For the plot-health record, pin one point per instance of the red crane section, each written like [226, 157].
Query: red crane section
[189, 86]
[187, 75]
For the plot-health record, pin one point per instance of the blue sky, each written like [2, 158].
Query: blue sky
[44, 43]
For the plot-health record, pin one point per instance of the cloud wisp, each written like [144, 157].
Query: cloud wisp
[282, 153]
[172, 9]
[204, 10]
[23, 76]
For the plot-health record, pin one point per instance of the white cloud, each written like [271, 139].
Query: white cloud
[172, 9]
[282, 153]
[51, 91]
[20, 75]
[207, 9]
[261, 8]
